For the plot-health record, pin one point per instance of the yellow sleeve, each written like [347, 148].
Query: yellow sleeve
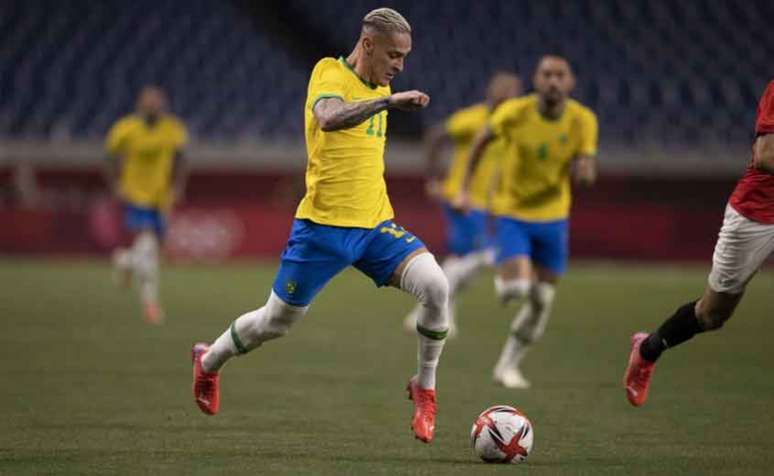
[459, 126]
[328, 83]
[589, 133]
[504, 116]
[116, 138]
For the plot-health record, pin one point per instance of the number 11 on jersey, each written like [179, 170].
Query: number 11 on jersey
[379, 131]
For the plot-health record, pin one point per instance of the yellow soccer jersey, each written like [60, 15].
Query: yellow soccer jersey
[345, 168]
[147, 157]
[462, 127]
[535, 179]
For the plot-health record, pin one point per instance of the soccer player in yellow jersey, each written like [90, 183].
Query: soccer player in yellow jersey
[468, 239]
[146, 172]
[549, 137]
[345, 218]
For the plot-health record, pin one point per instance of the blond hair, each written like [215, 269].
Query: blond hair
[386, 20]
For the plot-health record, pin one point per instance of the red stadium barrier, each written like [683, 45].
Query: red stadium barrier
[237, 214]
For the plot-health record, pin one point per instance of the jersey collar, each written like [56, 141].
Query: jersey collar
[349, 67]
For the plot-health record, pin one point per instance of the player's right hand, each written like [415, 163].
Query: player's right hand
[409, 100]
[461, 202]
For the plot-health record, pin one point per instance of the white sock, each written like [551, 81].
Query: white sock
[428, 355]
[145, 263]
[529, 324]
[224, 347]
[252, 329]
[424, 279]
[512, 353]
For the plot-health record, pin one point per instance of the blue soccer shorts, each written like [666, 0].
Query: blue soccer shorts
[466, 232]
[316, 253]
[545, 243]
[137, 219]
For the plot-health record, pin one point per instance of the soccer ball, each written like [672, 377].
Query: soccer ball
[502, 434]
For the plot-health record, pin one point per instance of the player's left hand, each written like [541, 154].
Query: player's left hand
[178, 195]
[433, 188]
[585, 171]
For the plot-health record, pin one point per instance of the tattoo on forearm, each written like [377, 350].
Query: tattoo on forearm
[333, 114]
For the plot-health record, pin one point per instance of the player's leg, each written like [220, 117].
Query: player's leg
[122, 266]
[421, 276]
[549, 253]
[513, 274]
[466, 243]
[742, 247]
[526, 329]
[245, 333]
[469, 254]
[396, 257]
[122, 258]
[146, 251]
[142, 258]
[306, 266]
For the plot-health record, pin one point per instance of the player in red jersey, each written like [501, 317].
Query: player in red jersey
[746, 239]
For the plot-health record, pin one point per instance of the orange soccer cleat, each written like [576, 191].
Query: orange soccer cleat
[206, 385]
[638, 373]
[423, 421]
[152, 313]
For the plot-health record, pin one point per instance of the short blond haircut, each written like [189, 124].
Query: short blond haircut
[386, 20]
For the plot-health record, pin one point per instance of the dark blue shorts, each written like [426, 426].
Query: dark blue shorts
[137, 219]
[466, 232]
[545, 243]
[316, 253]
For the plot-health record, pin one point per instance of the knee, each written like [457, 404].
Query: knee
[426, 281]
[146, 242]
[436, 290]
[281, 316]
[508, 289]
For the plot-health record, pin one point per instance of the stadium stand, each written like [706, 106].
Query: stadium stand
[664, 72]
[225, 79]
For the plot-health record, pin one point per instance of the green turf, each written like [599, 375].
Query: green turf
[89, 389]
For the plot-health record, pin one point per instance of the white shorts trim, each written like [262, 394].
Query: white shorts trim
[742, 247]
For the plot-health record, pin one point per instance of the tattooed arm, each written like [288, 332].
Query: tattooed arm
[334, 114]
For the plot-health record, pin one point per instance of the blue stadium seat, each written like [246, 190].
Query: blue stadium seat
[665, 71]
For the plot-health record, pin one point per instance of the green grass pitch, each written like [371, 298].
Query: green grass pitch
[87, 388]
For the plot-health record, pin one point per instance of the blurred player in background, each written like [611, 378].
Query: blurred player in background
[548, 135]
[468, 239]
[146, 171]
[345, 218]
[746, 239]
